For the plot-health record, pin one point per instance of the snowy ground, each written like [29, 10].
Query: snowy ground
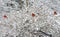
[16, 18]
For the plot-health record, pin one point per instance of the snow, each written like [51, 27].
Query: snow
[20, 22]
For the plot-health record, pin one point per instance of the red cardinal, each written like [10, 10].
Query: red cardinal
[4, 16]
[33, 14]
[55, 13]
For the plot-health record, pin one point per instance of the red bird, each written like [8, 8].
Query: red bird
[33, 14]
[4, 16]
